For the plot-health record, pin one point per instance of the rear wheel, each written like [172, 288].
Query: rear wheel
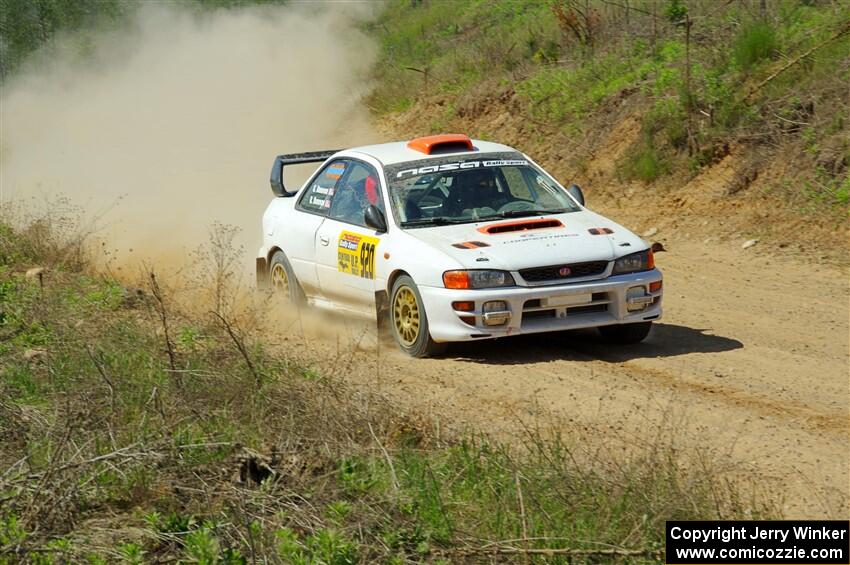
[282, 279]
[409, 321]
[626, 333]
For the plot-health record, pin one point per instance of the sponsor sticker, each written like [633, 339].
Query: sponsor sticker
[460, 165]
[356, 254]
[540, 236]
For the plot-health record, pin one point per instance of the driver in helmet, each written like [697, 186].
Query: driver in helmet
[351, 201]
[473, 191]
[370, 189]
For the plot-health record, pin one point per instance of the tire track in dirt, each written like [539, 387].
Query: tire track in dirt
[797, 413]
[749, 363]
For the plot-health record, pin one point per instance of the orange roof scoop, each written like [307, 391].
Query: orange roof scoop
[444, 143]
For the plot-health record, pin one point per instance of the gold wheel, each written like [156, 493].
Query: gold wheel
[406, 316]
[280, 280]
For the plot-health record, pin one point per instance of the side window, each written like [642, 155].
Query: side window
[360, 188]
[317, 197]
[517, 184]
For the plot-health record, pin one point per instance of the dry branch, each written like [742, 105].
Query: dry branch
[118, 453]
[98, 363]
[522, 517]
[389, 459]
[240, 346]
[163, 317]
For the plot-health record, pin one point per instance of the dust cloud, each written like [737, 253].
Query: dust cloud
[171, 123]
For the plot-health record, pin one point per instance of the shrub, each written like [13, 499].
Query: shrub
[842, 194]
[645, 163]
[755, 42]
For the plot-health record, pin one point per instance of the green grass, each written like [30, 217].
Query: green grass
[645, 164]
[133, 457]
[755, 43]
[568, 88]
[459, 44]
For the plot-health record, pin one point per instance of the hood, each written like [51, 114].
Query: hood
[520, 243]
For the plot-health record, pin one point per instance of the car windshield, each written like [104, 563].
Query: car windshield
[476, 188]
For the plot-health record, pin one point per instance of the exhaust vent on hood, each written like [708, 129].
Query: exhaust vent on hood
[522, 225]
[445, 143]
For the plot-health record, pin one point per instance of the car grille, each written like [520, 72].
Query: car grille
[553, 272]
[533, 315]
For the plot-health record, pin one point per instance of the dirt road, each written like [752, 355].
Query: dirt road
[750, 363]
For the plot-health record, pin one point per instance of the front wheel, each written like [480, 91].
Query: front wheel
[409, 321]
[626, 333]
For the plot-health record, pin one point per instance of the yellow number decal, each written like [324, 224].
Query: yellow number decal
[356, 254]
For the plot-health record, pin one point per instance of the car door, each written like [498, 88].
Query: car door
[347, 250]
[299, 235]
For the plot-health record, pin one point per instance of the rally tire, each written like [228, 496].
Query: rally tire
[282, 279]
[408, 321]
[626, 333]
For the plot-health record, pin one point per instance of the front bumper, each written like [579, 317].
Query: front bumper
[544, 308]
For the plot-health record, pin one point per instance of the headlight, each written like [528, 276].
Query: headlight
[635, 262]
[477, 279]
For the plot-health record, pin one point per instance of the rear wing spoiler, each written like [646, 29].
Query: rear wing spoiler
[276, 177]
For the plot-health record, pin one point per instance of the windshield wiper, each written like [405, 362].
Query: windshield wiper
[523, 213]
[444, 220]
[437, 221]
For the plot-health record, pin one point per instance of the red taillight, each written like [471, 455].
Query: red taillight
[456, 279]
[464, 305]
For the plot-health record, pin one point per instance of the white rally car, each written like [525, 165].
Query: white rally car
[446, 239]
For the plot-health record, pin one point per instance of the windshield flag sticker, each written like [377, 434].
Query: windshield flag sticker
[470, 245]
[336, 171]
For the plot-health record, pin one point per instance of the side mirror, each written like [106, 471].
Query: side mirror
[276, 179]
[375, 219]
[576, 193]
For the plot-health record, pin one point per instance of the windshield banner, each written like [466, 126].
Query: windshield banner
[460, 165]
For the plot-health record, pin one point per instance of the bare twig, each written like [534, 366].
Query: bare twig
[154, 397]
[389, 460]
[123, 452]
[100, 369]
[796, 123]
[14, 465]
[239, 342]
[39, 490]
[163, 316]
[522, 515]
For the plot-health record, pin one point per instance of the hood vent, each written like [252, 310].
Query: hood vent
[439, 144]
[522, 225]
